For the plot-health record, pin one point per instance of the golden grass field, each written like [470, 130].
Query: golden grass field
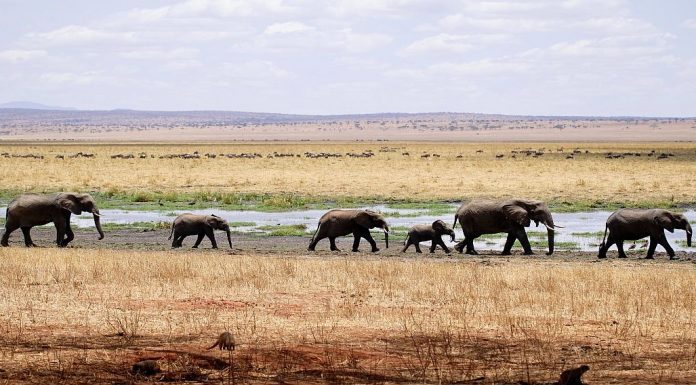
[87, 313]
[459, 173]
[85, 316]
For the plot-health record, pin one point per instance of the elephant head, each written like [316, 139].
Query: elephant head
[523, 212]
[670, 221]
[77, 203]
[370, 219]
[218, 223]
[441, 228]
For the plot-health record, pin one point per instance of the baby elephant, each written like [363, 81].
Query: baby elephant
[201, 225]
[434, 233]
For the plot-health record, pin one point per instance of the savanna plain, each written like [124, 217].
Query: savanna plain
[87, 313]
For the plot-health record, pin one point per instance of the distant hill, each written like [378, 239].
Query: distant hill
[34, 106]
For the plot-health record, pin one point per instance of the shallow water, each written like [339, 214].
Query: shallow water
[581, 222]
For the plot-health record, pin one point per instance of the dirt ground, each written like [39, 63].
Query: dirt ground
[354, 356]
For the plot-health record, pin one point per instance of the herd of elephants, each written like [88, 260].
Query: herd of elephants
[475, 218]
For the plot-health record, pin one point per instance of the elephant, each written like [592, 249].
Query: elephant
[434, 233]
[340, 222]
[510, 216]
[201, 225]
[29, 210]
[633, 224]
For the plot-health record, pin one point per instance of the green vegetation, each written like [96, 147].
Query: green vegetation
[284, 230]
[169, 201]
[241, 224]
[144, 226]
[588, 234]
[682, 243]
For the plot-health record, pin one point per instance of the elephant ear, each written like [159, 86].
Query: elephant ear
[212, 221]
[516, 214]
[439, 226]
[67, 202]
[364, 219]
[666, 221]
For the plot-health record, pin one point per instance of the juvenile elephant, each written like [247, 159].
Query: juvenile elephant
[201, 225]
[633, 224]
[29, 210]
[511, 217]
[338, 222]
[434, 233]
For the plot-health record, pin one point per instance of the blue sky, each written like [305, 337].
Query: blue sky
[536, 57]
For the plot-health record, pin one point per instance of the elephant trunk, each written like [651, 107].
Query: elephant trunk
[229, 238]
[551, 234]
[688, 235]
[451, 234]
[97, 223]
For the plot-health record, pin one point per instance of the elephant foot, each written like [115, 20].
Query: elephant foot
[354, 250]
[506, 253]
[528, 253]
[4, 244]
[649, 257]
[214, 247]
[622, 256]
[194, 247]
[549, 253]
[672, 257]
[375, 250]
[601, 256]
[419, 252]
[447, 251]
[310, 248]
[472, 252]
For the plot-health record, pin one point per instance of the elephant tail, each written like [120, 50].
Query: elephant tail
[171, 232]
[456, 217]
[315, 232]
[604, 238]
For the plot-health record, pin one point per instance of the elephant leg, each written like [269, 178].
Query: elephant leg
[619, 246]
[522, 236]
[460, 245]
[10, 226]
[211, 235]
[27, 237]
[69, 235]
[444, 247]
[60, 232]
[198, 240]
[470, 244]
[407, 245]
[369, 238]
[175, 240]
[605, 247]
[418, 249]
[651, 247]
[332, 241]
[511, 237]
[662, 240]
[180, 240]
[433, 245]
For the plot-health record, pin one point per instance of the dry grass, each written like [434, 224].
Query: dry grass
[589, 177]
[87, 315]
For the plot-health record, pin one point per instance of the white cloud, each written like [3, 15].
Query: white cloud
[287, 27]
[19, 55]
[445, 42]
[689, 23]
[75, 34]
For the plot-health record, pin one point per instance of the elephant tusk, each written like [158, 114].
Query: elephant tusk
[96, 214]
[557, 226]
[548, 227]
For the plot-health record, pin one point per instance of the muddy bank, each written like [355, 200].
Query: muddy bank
[156, 240]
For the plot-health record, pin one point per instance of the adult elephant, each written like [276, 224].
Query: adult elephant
[510, 216]
[633, 224]
[201, 225]
[339, 222]
[29, 210]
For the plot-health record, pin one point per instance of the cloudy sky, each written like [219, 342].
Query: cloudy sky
[550, 57]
